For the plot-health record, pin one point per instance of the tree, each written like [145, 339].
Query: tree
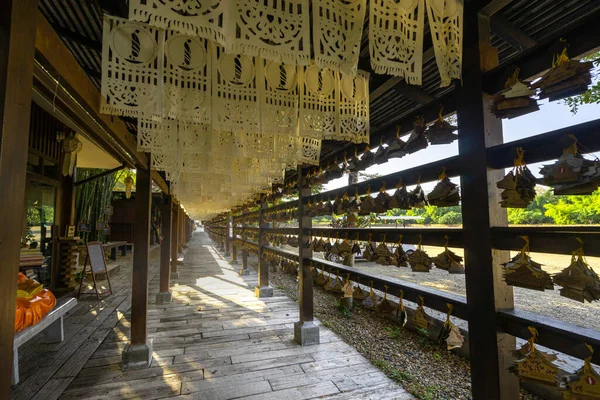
[591, 96]
[570, 210]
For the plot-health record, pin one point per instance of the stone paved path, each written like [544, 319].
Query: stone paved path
[218, 341]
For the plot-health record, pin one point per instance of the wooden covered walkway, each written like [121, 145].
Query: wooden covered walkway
[216, 340]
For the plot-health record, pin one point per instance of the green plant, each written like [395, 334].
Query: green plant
[393, 332]
[403, 376]
[345, 312]
[381, 364]
[437, 356]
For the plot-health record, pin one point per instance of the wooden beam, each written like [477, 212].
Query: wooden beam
[557, 335]
[141, 245]
[434, 298]
[75, 37]
[414, 93]
[511, 34]
[73, 81]
[100, 175]
[479, 277]
[17, 39]
[581, 34]
[546, 146]
[493, 7]
[160, 182]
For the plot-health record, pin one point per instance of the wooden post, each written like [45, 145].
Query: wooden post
[352, 180]
[164, 294]
[17, 49]
[263, 289]
[174, 240]
[138, 354]
[227, 238]
[483, 277]
[306, 333]
[244, 270]
[180, 239]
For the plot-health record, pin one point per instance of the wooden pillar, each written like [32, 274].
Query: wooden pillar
[17, 49]
[227, 231]
[244, 270]
[164, 294]
[352, 180]
[263, 289]
[138, 354]
[306, 333]
[485, 288]
[174, 240]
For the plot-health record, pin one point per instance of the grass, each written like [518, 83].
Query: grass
[394, 332]
[343, 310]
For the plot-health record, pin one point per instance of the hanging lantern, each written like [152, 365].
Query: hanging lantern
[128, 185]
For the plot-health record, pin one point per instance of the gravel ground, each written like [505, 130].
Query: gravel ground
[424, 368]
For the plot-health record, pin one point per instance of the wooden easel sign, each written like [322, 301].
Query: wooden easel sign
[97, 265]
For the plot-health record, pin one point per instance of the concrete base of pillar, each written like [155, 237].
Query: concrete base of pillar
[227, 254]
[137, 356]
[306, 333]
[164, 297]
[263, 291]
[233, 262]
[174, 275]
[244, 271]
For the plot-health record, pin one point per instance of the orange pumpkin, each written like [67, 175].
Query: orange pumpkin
[30, 310]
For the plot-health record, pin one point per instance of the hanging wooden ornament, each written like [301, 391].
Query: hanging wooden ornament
[579, 281]
[416, 198]
[382, 200]
[534, 365]
[401, 315]
[518, 185]
[381, 155]
[367, 203]
[359, 293]
[383, 254]
[400, 198]
[321, 279]
[335, 284]
[348, 289]
[522, 271]
[417, 140]
[370, 302]
[449, 261]
[396, 148]
[515, 100]
[355, 203]
[128, 185]
[420, 318]
[399, 258]
[367, 159]
[585, 385]
[572, 174]
[445, 193]
[386, 306]
[314, 273]
[419, 260]
[356, 246]
[441, 132]
[449, 333]
[566, 77]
